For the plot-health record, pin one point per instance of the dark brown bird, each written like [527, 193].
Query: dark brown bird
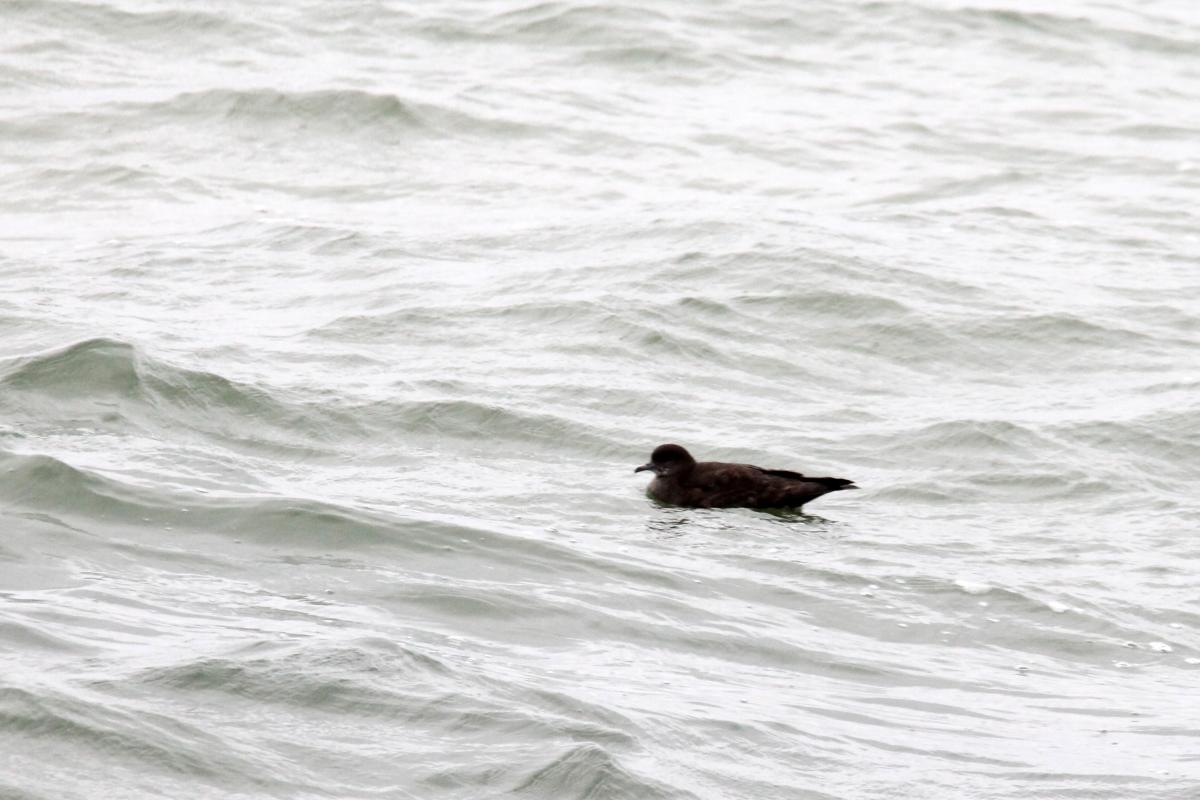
[681, 480]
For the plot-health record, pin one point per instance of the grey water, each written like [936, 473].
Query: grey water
[331, 333]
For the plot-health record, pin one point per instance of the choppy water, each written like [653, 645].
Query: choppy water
[330, 334]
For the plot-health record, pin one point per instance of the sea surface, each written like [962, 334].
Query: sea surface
[331, 333]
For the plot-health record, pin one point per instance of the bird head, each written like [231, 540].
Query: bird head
[668, 459]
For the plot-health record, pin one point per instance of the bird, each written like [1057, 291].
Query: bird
[681, 480]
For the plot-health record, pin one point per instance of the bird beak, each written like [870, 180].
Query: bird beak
[649, 467]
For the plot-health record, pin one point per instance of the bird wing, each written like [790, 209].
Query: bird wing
[717, 485]
[783, 473]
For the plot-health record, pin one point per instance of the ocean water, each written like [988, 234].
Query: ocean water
[331, 333]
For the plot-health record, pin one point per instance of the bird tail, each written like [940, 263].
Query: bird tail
[834, 484]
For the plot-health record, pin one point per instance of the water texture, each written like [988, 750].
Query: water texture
[330, 335]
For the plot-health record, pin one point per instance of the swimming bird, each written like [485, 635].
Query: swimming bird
[681, 480]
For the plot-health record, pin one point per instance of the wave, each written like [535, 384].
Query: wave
[94, 362]
[842, 305]
[1001, 461]
[1056, 330]
[341, 678]
[44, 483]
[13, 77]
[900, 335]
[375, 679]
[619, 36]
[681, 333]
[352, 111]
[59, 185]
[576, 23]
[678, 60]
[11, 792]
[110, 385]
[203, 29]
[952, 188]
[1053, 35]
[46, 489]
[590, 771]
[981, 439]
[109, 367]
[1152, 132]
[49, 485]
[343, 114]
[468, 419]
[348, 108]
[167, 743]
[1146, 451]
